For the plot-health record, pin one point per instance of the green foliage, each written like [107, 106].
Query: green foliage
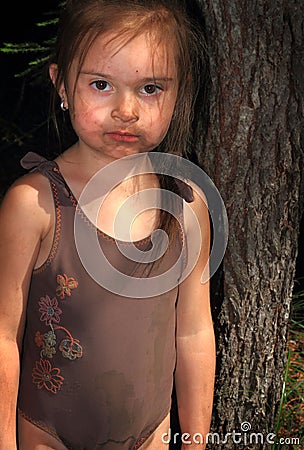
[11, 134]
[39, 51]
[30, 47]
[290, 422]
[24, 117]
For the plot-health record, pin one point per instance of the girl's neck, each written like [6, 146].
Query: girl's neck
[78, 165]
[86, 160]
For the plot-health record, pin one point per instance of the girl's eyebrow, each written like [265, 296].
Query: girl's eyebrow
[143, 80]
[153, 78]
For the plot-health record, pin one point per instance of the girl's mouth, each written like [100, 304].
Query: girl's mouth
[121, 136]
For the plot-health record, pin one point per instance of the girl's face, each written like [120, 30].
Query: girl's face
[124, 98]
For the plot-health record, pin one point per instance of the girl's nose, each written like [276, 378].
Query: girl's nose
[126, 109]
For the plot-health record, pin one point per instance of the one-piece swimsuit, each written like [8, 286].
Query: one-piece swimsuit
[97, 366]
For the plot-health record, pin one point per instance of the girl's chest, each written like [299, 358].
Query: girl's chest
[129, 213]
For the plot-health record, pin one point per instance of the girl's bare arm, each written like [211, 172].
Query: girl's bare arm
[23, 223]
[195, 369]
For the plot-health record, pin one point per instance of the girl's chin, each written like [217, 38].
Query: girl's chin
[120, 153]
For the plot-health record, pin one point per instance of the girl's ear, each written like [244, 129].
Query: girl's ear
[53, 72]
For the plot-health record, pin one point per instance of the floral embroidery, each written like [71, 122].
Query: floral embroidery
[48, 351]
[65, 285]
[70, 348]
[39, 339]
[46, 376]
[50, 338]
[47, 341]
[49, 309]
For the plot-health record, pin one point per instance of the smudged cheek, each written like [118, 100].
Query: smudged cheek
[157, 128]
[88, 120]
[160, 118]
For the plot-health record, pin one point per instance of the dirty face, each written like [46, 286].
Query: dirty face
[122, 101]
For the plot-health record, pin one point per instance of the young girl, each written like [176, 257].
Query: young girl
[98, 365]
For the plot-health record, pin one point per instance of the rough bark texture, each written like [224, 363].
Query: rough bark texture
[254, 154]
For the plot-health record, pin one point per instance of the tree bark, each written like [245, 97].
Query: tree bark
[254, 154]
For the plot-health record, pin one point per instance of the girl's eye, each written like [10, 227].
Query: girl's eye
[151, 89]
[101, 85]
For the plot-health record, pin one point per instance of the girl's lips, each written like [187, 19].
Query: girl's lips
[122, 137]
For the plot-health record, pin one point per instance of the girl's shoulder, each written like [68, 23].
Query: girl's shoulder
[198, 206]
[29, 188]
[29, 198]
[32, 191]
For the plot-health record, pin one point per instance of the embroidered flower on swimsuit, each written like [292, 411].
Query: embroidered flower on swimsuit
[70, 348]
[49, 309]
[39, 339]
[48, 351]
[49, 338]
[65, 285]
[47, 341]
[46, 376]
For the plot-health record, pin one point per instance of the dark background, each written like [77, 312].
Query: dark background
[24, 101]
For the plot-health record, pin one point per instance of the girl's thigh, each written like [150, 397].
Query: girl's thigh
[156, 441]
[33, 438]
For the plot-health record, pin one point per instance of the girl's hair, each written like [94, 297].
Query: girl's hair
[165, 21]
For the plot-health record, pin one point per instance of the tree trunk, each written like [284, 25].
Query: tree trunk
[253, 154]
